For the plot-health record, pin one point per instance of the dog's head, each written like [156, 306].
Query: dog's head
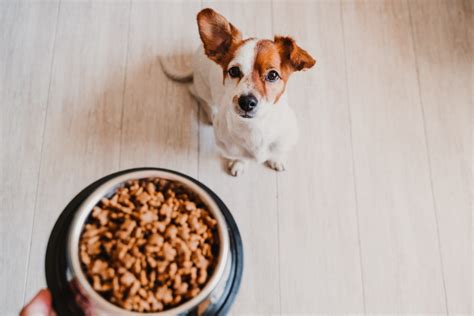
[255, 71]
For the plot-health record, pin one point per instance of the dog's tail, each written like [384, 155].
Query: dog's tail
[174, 74]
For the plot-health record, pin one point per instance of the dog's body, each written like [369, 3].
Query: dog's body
[262, 139]
[241, 84]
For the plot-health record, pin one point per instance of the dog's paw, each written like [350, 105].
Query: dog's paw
[236, 167]
[276, 165]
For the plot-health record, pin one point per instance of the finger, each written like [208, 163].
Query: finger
[40, 305]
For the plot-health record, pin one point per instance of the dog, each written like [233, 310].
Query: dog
[241, 85]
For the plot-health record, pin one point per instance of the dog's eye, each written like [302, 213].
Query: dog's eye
[234, 72]
[272, 76]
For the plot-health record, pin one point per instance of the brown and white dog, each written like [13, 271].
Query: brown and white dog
[240, 83]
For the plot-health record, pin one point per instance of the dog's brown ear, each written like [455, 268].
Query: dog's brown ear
[218, 36]
[292, 55]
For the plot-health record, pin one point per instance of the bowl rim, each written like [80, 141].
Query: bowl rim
[84, 210]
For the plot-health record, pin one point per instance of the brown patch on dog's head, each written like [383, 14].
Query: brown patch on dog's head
[219, 37]
[267, 58]
[283, 56]
[294, 58]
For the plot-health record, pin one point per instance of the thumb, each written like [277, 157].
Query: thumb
[40, 305]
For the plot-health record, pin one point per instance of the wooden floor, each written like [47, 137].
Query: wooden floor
[373, 215]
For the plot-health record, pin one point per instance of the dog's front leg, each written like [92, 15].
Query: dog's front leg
[237, 167]
[277, 163]
[278, 157]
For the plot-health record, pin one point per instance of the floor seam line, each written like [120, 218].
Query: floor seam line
[272, 19]
[428, 156]
[200, 125]
[354, 181]
[124, 85]
[43, 134]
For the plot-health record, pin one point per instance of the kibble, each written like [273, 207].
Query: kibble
[149, 247]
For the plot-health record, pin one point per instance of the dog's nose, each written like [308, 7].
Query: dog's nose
[247, 102]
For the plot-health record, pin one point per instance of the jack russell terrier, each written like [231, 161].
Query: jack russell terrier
[240, 84]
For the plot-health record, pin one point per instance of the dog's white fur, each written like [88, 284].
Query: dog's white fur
[265, 138]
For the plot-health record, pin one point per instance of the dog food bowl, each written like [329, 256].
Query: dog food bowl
[71, 291]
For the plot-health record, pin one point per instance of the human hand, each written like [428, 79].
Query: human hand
[40, 305]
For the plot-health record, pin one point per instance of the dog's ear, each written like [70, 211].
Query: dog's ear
[218, 36]
[292, 55]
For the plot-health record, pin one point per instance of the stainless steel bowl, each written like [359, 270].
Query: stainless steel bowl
[94, 304]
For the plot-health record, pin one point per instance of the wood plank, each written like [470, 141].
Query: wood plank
[251, 197]
[82, 136]
[443, 48]
[27, 33]
[399, 240]
[160, 121]
[319, 247]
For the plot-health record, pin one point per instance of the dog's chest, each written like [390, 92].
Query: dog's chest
[238, 139]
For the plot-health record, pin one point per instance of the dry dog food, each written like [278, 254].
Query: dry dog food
[151, 246]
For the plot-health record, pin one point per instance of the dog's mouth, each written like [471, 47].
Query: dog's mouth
[246, 115]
